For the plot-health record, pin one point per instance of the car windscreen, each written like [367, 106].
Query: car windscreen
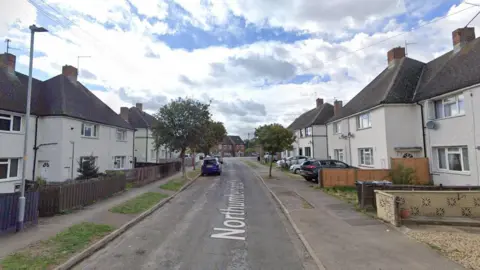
[210, 162]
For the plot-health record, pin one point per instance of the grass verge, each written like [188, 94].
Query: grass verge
[348, 194]
[139, 204]
[174, 185]
[54, 251]
[192, 174]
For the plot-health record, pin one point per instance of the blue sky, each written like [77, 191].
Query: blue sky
[273, 56]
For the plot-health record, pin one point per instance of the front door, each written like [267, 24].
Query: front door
[44, 168]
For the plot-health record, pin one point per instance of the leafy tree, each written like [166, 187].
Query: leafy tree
[180, 125]
[213, 134]
[87, 168]
[274, 138]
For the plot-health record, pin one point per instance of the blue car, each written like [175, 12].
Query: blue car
[211, 166]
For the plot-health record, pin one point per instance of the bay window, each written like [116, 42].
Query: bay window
[450, 106]
[9, 168]
[365, 156]
[11, 123]
[453, 158]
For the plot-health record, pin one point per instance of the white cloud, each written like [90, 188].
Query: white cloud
[152, 8]
[18, 12]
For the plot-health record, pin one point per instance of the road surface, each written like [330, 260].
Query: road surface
[220, 222]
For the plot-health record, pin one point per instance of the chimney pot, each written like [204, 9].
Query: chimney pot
[139, 106]
[395, 54]
[462, 36]
[124, 113]
[319, 102]
[337, 106]
[8, 61]
[70, 72]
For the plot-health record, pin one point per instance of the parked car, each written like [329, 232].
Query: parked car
[310, 169]
[220, 159]
[297, 160]
[211, 166]
[295, 168]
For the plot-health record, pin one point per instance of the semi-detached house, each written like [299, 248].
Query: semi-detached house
[311, 132]
[68, 123]
[416, 109]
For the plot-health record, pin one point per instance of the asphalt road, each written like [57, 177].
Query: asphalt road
[254, 234]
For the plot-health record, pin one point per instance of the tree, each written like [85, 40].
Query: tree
[274, 138]
[180, 125]
[87, 168]
[213, 134]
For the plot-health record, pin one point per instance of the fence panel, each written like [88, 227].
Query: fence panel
[337, 177]
[9, 210]
[420, 165]
[372, 175]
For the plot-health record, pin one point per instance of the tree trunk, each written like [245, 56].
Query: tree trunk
[270, 172]
[182, 154]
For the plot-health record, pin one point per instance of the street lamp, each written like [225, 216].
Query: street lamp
[21, 201]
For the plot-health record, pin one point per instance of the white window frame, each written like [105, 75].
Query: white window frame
[337, 128]
[439, 106]
[361, 155]
[452, 150]
[338, 154]
[364, 116]
[301, 133]
[11, 118]
[310, 151]
[308, 131]
[121, 162]
[94, 130]
[8, 162]
[87, 157]
[123, 135]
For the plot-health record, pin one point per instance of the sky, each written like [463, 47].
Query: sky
[258, 62]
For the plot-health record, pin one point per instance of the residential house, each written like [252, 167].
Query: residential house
[415, 109]
[144, 142]
[68, 123]
[311, 132]
[231, 146]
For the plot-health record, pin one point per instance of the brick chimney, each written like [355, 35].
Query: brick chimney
[139, 106]
[461, 37]
[70, 72]
[394, 55]
[319, 102]
[8, 61]
[337, 106]
[124, 113]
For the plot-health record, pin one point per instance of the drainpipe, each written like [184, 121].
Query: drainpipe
[146, 147]
[349, 142]
[423, 130]
[326, 138]
[133, 149]
[35, 149]
[313, 145]
[474, 137]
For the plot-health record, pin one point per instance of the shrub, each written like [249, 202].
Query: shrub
[402, 175]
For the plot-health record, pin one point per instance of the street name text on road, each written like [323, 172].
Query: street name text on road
[234, 214]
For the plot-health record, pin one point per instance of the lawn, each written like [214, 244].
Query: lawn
[174, 185]
[139, 204]
[348, 194]
[49, 253]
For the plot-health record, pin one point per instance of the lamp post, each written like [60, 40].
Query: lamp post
[21, 201]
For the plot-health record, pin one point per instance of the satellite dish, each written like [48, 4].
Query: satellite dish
[431, 125]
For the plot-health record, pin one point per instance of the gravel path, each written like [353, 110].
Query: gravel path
[459, 246]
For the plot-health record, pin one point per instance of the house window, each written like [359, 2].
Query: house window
[87, 158]
[308, 131]
[121, 135]
[89, 130]
[337, 128]
[301, 133]
[308, 152]
[450, 106]
[153, 155]
[11, 123]
[365, 156]
[364, 121]
[453, 159]
[300, 152]
[9, 168]
[119, 162]
[338, 154]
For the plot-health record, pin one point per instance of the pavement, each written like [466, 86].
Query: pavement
[342, 238]
[219, 222]
[97, 213]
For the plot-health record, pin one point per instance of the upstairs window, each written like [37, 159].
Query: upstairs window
[121, 135]
[89, 130]
[301, 133]
[10, 123]
[337, 128]
[364, 121]
[308, 131]
[450, 106]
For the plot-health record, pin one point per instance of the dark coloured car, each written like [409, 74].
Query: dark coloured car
[211, 166]
[310, 169]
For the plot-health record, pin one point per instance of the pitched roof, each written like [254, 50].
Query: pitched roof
[394, 84]
[140, 119]
[236, 139]
[317, 116]
[56, 96]
[450, 72]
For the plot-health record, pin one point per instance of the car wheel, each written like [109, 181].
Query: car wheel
[296, 171]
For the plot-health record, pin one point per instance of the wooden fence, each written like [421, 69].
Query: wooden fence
[142, 176]
[348, 177]
[56, 199]
[9, 210]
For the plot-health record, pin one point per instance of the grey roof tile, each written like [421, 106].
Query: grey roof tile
[140, 119]
[316, 116]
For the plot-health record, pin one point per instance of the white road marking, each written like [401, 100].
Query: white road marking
[234, 214]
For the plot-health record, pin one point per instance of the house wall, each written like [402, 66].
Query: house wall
[403, 125]
[455, 131]
[144, 147]
[320, 148]
[335, 142]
